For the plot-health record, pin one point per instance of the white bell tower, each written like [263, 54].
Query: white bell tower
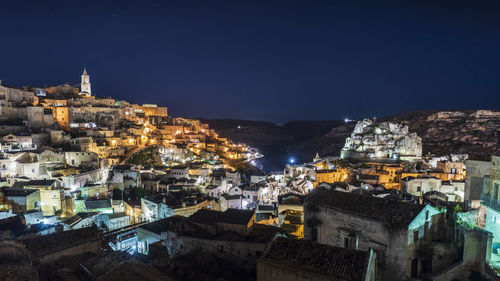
[85, 86]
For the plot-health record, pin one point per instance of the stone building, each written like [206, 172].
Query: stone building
[393, 229]
[51, 194]
[13, 97]
[22, 200]
[77, 158]
[421, 185]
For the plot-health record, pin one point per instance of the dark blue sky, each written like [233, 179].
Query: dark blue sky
[262, 60]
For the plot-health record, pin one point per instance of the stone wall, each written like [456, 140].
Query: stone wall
[389, 244]
[38, 117]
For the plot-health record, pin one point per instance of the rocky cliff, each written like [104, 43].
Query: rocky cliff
[381, 140]
[475, 132]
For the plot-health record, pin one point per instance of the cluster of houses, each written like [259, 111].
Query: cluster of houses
[87, 182]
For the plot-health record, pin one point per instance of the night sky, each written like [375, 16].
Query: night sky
[262, 60]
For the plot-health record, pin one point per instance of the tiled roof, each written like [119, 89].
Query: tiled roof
[21, 184]
[290, 198]
[12, 224]
[339, 263]
[97, 204]
[51, 243]
[264, 233]
[11, 192]
[231, 216]
[232, 197]
[78, 217]
[163, 225]
[393, 212]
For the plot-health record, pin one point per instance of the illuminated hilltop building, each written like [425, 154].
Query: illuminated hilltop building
[85, 90]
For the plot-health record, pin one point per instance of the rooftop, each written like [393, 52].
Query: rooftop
[13, 192]
[339, 263]
[97, 204]
[231, 216]
[392, 212]
[21, 184]
[51, 243]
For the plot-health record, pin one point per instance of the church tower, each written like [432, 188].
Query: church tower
[316, 158]
[85, 86]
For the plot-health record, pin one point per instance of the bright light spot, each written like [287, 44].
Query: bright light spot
[239, 127]
[45, 221]
[291, 160]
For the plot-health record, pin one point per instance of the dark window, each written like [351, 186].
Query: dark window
[346, 242]
[415, 236]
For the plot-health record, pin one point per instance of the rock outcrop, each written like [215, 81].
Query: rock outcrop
[382, 140]
[472, 132]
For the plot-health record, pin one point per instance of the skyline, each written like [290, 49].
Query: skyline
[298, 61]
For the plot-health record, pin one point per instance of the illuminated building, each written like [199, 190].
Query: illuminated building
[85, 90]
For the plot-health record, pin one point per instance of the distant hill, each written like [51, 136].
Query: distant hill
[475, 132]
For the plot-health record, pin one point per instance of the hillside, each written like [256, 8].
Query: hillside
[476, 133]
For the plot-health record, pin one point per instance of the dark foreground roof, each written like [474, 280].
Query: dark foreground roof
[97, 204]
[231, 216]
[12, 192]
[392, 212]
[51, 243]
[21, 184]
[322, 259]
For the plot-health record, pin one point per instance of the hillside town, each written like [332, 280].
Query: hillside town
[94, 188]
